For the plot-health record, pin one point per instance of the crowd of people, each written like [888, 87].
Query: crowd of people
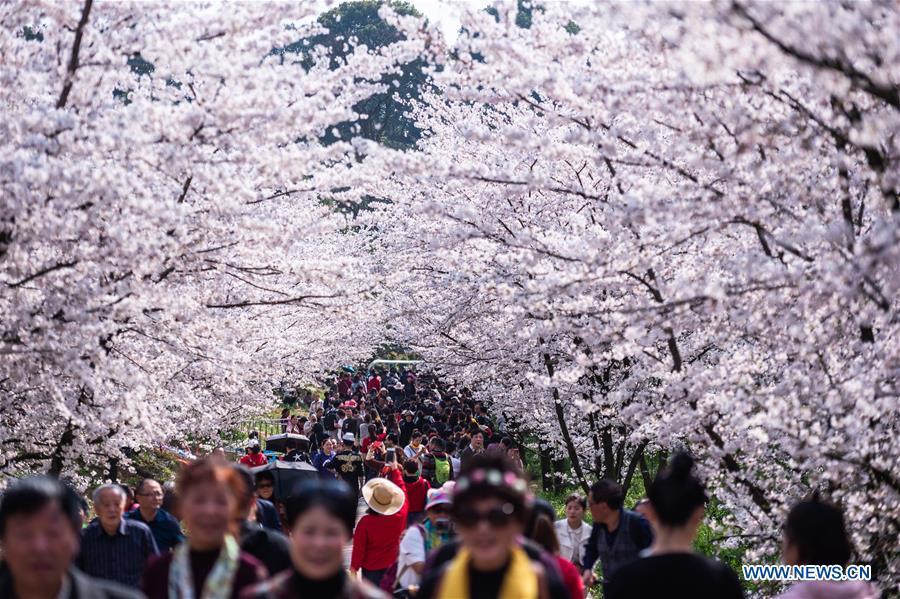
[448, 514]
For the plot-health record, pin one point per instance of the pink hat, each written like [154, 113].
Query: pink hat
[437, 497]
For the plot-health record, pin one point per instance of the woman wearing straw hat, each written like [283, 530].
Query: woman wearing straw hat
[376, 541]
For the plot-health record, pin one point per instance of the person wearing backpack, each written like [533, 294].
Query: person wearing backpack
[419, 540]
[330, 422]
[618, 536]
[436, 466]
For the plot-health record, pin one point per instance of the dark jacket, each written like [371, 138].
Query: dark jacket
[267, 515]
[622, 547]
[269, 547]
[82, 587]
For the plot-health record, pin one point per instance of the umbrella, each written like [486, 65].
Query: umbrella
[279, 442]
[348, 368]
[287, 475]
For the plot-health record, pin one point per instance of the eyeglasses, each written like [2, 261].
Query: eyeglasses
[151, 494]
[497, 517]
[264, 486]
[440, 509]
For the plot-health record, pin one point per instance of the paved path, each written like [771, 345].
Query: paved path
[348, 550]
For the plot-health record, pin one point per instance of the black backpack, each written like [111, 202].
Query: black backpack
[330, 420]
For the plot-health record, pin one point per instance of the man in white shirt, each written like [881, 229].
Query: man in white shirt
[572, 531]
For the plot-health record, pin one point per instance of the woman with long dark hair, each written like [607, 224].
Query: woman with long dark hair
[320, 518]
[672, 568]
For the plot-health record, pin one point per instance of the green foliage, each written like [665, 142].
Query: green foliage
[151, 463]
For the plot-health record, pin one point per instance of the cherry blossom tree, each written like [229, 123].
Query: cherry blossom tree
[165, 245]
[647, 226]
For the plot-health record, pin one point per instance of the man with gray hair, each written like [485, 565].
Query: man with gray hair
[113, 547]
[165, 528]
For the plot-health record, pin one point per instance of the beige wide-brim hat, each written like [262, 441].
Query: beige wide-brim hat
[383, 496]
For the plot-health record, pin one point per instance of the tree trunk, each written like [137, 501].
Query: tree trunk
[645, 471]
[546, 468]
[564, 428]
[56, 460]
[637, 456]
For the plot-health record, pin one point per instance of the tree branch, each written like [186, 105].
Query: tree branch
[73, 58]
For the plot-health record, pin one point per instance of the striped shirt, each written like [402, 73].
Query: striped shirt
[119, 557]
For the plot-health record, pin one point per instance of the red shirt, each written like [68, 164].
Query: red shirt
[416, 494]
[376, 540]
[253, 460]
[571, 578]
[344, 387]
[364, 448]
[374, 383]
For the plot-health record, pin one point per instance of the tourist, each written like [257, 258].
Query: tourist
[170, 500]
[476, 446]
[294, 425]
[347, 463]
[515, 457]
[421, 538]
[407, 426]
[270, 547]
[644, 508]
[320, 516]
[165, 528]
[376, 541]
[374, 382]
[491, 505]
[436, 466]
[296, 451]
[416, 491]
[266, 501]
[618, 535]
[112, 546]
[672, 568]
[322, 457]
[309, 424]
[415, 449]
[39, 530]
[254, 456]
[815, 534]
[572, 532]
[210, 563]
[544, 535]
[359, 384]
[345, 386]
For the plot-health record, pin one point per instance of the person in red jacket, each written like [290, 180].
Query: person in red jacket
[374, 382]
[376, 540]
[416, 492]
[255, 457]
